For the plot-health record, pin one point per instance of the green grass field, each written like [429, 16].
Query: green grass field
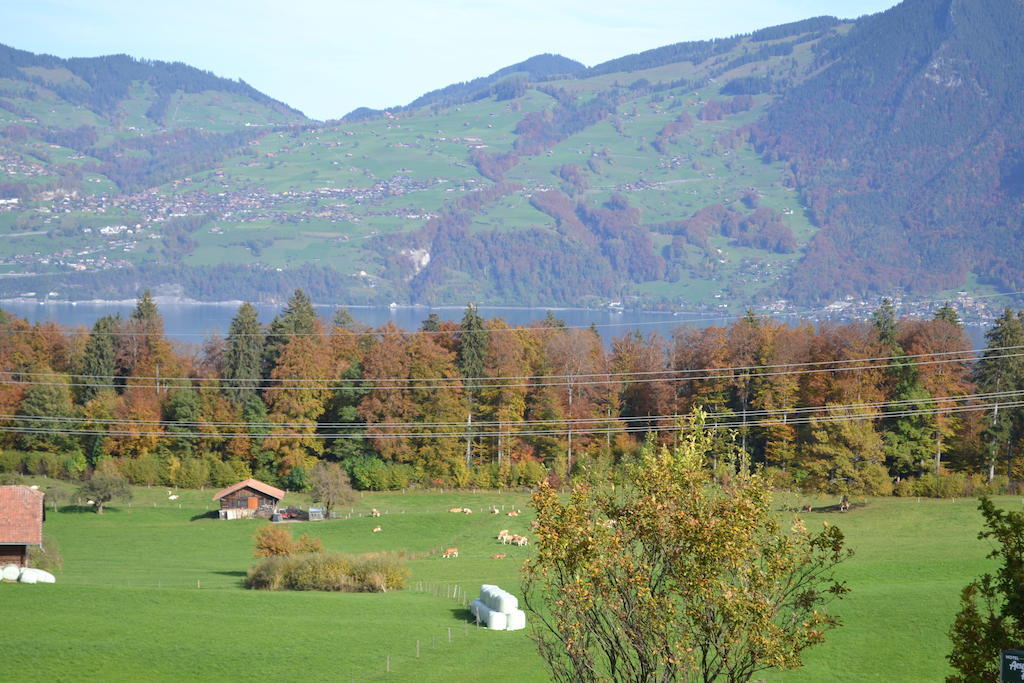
[154, 591]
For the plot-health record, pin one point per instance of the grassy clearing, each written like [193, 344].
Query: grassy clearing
[153, 590]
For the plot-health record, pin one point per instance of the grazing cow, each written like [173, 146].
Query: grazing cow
[467, 511]
[498, 556]
[455, 510]
[520, 540]
[375, 512]
[513, 513]
[450, 552]
[376, 528]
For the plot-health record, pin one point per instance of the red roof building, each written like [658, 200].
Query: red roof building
[21, 523]
[249, 498]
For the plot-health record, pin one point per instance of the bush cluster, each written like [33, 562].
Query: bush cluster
[372, 573]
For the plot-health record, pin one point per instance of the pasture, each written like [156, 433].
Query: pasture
[154, 591]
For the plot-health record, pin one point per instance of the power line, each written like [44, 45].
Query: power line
[793, 411]
[639, 377]
[734, 424]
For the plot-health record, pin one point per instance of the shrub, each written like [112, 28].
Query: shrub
[374, 573]
[380, 572]
[269, 574]
[143, 470]
[309, 544]
[934, 485]
[907, 488]
[273, 541]
[46, 556]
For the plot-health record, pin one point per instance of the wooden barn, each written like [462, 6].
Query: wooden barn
[21, 523]
[249, 498]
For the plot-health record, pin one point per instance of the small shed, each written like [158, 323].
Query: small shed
[249, 498]
[21, 523]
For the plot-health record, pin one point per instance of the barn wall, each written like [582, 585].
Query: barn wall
[14, 554]
[266, 505]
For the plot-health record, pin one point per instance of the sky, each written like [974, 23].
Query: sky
[328, 57]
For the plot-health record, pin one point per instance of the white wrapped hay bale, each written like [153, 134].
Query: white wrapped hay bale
[498, 609]
[495, 621]
[516, 620]
[43, 576]
[10, 572]
[498, 600]
[28, 576]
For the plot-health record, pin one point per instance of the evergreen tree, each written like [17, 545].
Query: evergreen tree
[296, 320]
[243, 355]
[472, 339]
[99, 361]
[183, 406]
[1001, 369]
[949, 314]
[431, 324]
[41, 411]
[884, 322]
[909, 439]
[146, 313]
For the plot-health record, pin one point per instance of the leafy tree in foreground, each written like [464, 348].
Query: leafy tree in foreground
[677, 576]
[991, 616]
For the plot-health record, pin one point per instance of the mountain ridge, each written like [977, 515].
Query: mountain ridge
[800, 163]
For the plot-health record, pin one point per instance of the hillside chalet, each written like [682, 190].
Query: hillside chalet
[21, 523]
[249, 498]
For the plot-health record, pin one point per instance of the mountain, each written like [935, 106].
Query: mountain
[506, 83]
[798, 164]
[907, 146]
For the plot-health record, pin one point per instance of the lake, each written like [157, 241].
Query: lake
[194, 322]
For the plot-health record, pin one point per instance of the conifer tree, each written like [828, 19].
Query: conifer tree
[243, 355]
[99, 361]
[1001, 369]
[297, 319]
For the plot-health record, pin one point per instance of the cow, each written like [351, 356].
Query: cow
[520, 540]
[494, 510]
[455, 510]
[467, 511]
[498, 556]
[375, 512]
[513, 513]
[450, 552]
[376, 528]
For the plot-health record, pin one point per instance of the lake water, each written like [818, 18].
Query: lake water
[194, 322]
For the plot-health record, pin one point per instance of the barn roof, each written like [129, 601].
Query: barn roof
[254, 484]
[21, 515]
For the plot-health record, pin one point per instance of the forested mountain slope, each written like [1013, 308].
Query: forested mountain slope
[800, 163]
[908, 149]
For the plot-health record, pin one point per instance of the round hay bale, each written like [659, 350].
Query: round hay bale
[505, 602]
[28, 576]
[496, 621]
[516, 620]
[10, 572]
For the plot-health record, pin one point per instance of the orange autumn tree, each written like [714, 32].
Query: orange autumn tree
[300, 387]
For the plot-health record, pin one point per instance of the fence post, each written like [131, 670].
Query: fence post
[387, 663]
[449, 634]
[417, 649]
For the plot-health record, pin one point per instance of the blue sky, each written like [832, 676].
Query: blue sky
[327, 57]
